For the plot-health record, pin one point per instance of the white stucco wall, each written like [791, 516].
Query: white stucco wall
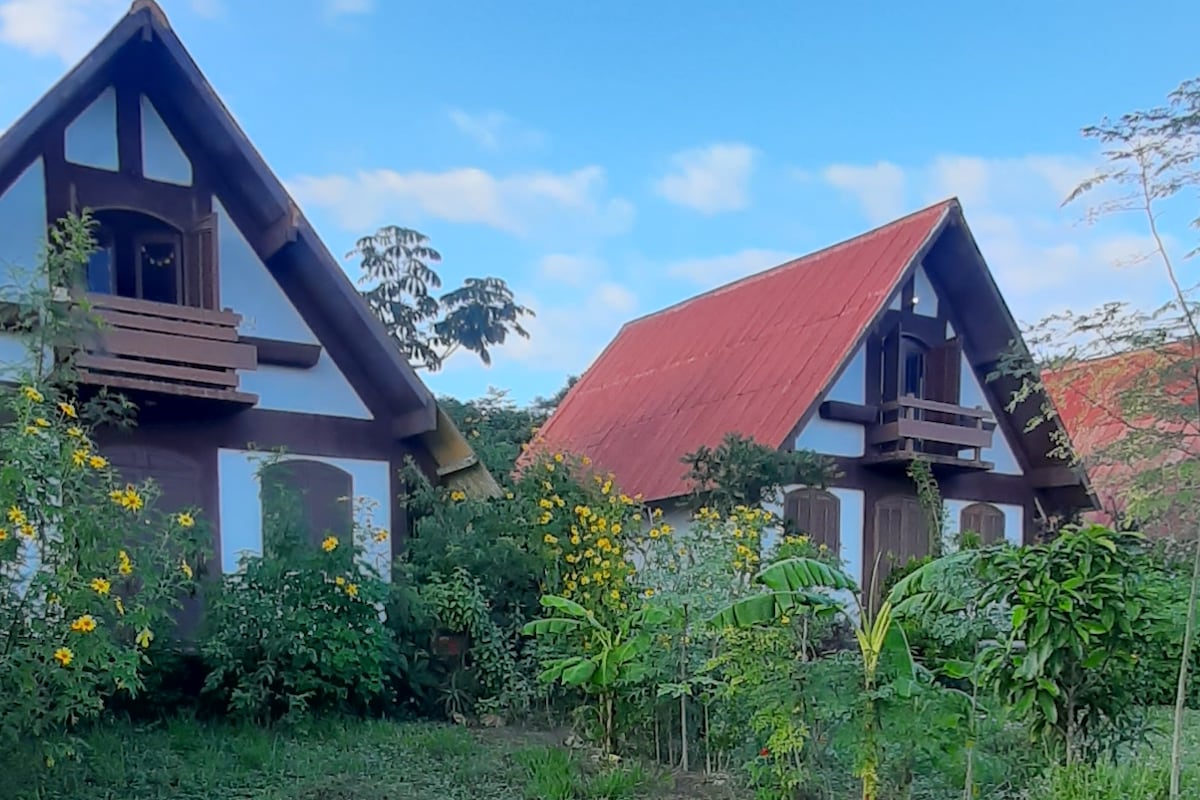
[1001, 452]
[91, 138]
[832, 437]
[162, 157]
[241, 505]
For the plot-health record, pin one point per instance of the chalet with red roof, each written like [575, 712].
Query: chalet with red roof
[874, 352]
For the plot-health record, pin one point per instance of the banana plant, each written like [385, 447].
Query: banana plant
[615, 654]
[798, 585]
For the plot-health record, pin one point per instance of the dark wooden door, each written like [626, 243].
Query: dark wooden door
[943, 379]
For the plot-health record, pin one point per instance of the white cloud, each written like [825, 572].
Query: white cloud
[65, 29]
[710, 179]
[718, 270]
[209, 9]
[345, 7]
[566, 336]
[523, 204]
[1042, 260]
[570, 270]
[879, 188]
[494, 129]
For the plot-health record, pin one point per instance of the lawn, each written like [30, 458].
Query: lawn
[374, 760]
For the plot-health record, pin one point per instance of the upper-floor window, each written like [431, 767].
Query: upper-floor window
[138, 256]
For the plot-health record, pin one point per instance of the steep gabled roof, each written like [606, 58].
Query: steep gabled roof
[752, 357]
[285, 240]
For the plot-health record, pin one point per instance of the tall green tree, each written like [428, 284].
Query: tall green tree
[400, 279]
[1137, 371]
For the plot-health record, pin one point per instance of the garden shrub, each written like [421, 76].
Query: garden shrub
[89, 570]
[298, 629]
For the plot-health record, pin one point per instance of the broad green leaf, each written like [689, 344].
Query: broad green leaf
[1019, 615]
[565, 606]
[757, 609]
[580, 673]
[795, 574]
[1094, 660]
[552, 625]
[555, 670]
[956, 669]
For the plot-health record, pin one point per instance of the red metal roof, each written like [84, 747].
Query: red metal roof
[749, 358]
[1090, 398]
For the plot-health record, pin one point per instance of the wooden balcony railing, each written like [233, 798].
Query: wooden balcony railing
[940, 431]
[167, 349]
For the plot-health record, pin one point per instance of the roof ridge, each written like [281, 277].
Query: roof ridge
[791, 263]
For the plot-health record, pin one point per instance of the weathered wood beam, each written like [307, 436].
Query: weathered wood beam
[416, 422]
[279, 234]
[1054, 477]
[836, 410]
[278, 353]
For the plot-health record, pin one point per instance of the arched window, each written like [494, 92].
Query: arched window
[816, 514]
[984, 519]
[138, 256]
[305, 501]
[901, 531]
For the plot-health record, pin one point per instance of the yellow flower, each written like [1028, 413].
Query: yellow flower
[558, 457]
[124, 565]
[508, 495]
[458, 495]
[75, 432]
[119, 605]
[549, 467]
[655, 533]
[84, 624]
[585, 580]
[614, 594]
[27, 531]
[186, 569]
[42, 422]
[587, 462]
[545, 518]
[381, 535]
[185, 520]
[339, 580]
[784, 620]
[144, 638]
[545, 503]
[101, 586]
[3, 534]
[550, 538]
[606, 488]
[127, 498]
[648, 593]
[32, 394]
[352, 589]
[68, 410]
[616, 528]
[16, 516]
[64, 656]
[79, 457]
[329, 544]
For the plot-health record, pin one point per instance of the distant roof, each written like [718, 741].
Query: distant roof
[751, 357]
[1089, 398]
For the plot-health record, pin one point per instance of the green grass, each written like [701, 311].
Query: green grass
[331, 760]
[340, 760]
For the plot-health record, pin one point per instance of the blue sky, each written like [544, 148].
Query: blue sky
[608, 159]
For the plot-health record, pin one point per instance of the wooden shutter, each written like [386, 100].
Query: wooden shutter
[323, 498]
[815, 513]
[181, 482]
[901, 532]
[943, 383]
[984, 519]
[200, 264]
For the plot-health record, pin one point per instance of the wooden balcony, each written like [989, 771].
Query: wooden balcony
[911, 427]
[162, 348]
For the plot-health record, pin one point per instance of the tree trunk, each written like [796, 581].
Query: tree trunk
[1189, 633]
[683, 676]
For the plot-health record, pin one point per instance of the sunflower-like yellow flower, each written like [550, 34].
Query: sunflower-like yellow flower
[329, 544]
[101, 586]
[97, 462]
[84, 624]
[185, 520]
[64, 656]
[68, 410]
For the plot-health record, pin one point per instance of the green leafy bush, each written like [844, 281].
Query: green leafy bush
[297, 629]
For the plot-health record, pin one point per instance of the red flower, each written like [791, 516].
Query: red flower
[764, 753]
